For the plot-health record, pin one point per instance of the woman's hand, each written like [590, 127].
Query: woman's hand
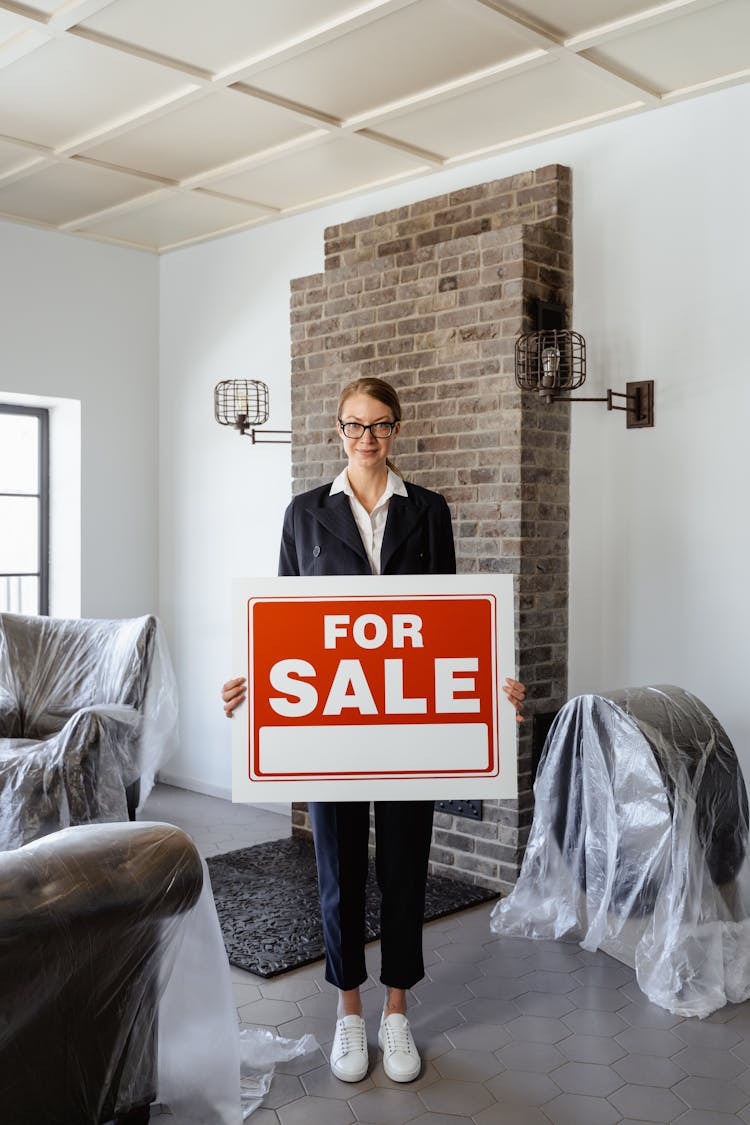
[516, 693]
[233, 693]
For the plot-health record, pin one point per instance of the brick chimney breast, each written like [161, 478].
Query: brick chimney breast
[431, 296]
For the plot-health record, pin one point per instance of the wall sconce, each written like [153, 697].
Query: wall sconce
[243, 403]
[553, 359]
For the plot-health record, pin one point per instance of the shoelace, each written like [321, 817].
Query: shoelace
[397, 1038]
[351, 1037]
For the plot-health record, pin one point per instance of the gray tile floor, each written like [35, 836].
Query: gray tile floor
[511, 1031]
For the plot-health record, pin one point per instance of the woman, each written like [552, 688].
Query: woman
[370, 521]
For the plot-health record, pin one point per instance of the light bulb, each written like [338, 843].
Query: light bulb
[550, 366]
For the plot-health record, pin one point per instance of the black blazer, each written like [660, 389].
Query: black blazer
[321, 537]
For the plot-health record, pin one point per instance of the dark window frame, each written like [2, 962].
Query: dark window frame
[42, 416]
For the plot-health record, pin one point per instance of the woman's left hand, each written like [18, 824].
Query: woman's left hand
[516, 693]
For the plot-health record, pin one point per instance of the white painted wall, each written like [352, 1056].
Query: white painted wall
[660, 535]
[224, 315]
[79, 322]
[659, 538]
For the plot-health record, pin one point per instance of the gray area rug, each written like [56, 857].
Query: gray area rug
[267, 902]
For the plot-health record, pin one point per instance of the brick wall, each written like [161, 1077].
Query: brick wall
[431, 297]
[526, 198]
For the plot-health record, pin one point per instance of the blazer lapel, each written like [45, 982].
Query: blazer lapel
[403, 516]
[335, 514]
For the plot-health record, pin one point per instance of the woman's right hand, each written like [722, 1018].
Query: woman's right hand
[233, 693]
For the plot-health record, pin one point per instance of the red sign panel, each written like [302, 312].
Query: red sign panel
[378, 687]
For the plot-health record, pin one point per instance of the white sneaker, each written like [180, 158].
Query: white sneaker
[401, 1060]
[349, 1051]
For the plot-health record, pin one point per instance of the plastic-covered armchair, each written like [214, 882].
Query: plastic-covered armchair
[88, 711]
[639, 846]
[91, 920]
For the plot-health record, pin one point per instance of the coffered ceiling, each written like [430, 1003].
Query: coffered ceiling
[157, 123]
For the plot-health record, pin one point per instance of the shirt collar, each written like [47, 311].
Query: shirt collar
[394, 486]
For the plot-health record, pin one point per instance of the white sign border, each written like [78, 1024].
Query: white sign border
[504, 787]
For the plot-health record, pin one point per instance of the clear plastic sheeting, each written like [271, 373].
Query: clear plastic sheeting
[88, 712]
[260, 1050]
[114, 984]
[639, 846]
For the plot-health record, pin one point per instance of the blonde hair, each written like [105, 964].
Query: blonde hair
[375, 388]
[379, 390]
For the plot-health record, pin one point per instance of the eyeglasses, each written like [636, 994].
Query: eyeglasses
[377, 429]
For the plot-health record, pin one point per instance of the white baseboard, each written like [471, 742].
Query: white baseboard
[179, 781]
[193, 785]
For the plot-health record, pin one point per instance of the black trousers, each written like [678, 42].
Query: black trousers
[403, 830]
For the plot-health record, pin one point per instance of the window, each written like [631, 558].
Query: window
[24, 509]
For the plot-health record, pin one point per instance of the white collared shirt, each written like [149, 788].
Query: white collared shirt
[371, 525]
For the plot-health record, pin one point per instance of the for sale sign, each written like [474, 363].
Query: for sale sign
[375, 688]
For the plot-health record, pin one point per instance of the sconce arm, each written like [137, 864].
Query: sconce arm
[259, 438]
[580, 398]
[634, 398]
[640, 402]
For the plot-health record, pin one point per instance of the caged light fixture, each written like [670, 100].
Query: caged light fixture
[243, 403]
[553, 360]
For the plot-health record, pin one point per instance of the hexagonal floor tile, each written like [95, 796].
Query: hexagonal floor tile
[285, 1088]
[591, 1049]
[464, 952]
[587, 1078]
[391, 1107]
[428, 1118]
[443, 992]
[643, 1070]
[648, 1103]
[506, 1115]
[478, 1036]
[501, 965]
[497, 988]
[540, 1058]
[595, 1023]
[538, 1029]
[598, 999]
[711, 1093]
[638, 1040]
[575, 1109]
[269, 1012]
[699, 1033]
[555, 960]
[643, 1014]
[542, 980]
[519, 1087]
[315, 1111]
[488, 1010]
[290, 986]
[468, 1066]
[613, 975]
[456, 1097]
[542, 1004]
[704, 1117]
[448, 972]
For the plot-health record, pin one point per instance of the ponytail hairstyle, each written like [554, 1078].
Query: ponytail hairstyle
[379, 390]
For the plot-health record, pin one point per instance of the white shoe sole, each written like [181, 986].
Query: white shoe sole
[356, 1077]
